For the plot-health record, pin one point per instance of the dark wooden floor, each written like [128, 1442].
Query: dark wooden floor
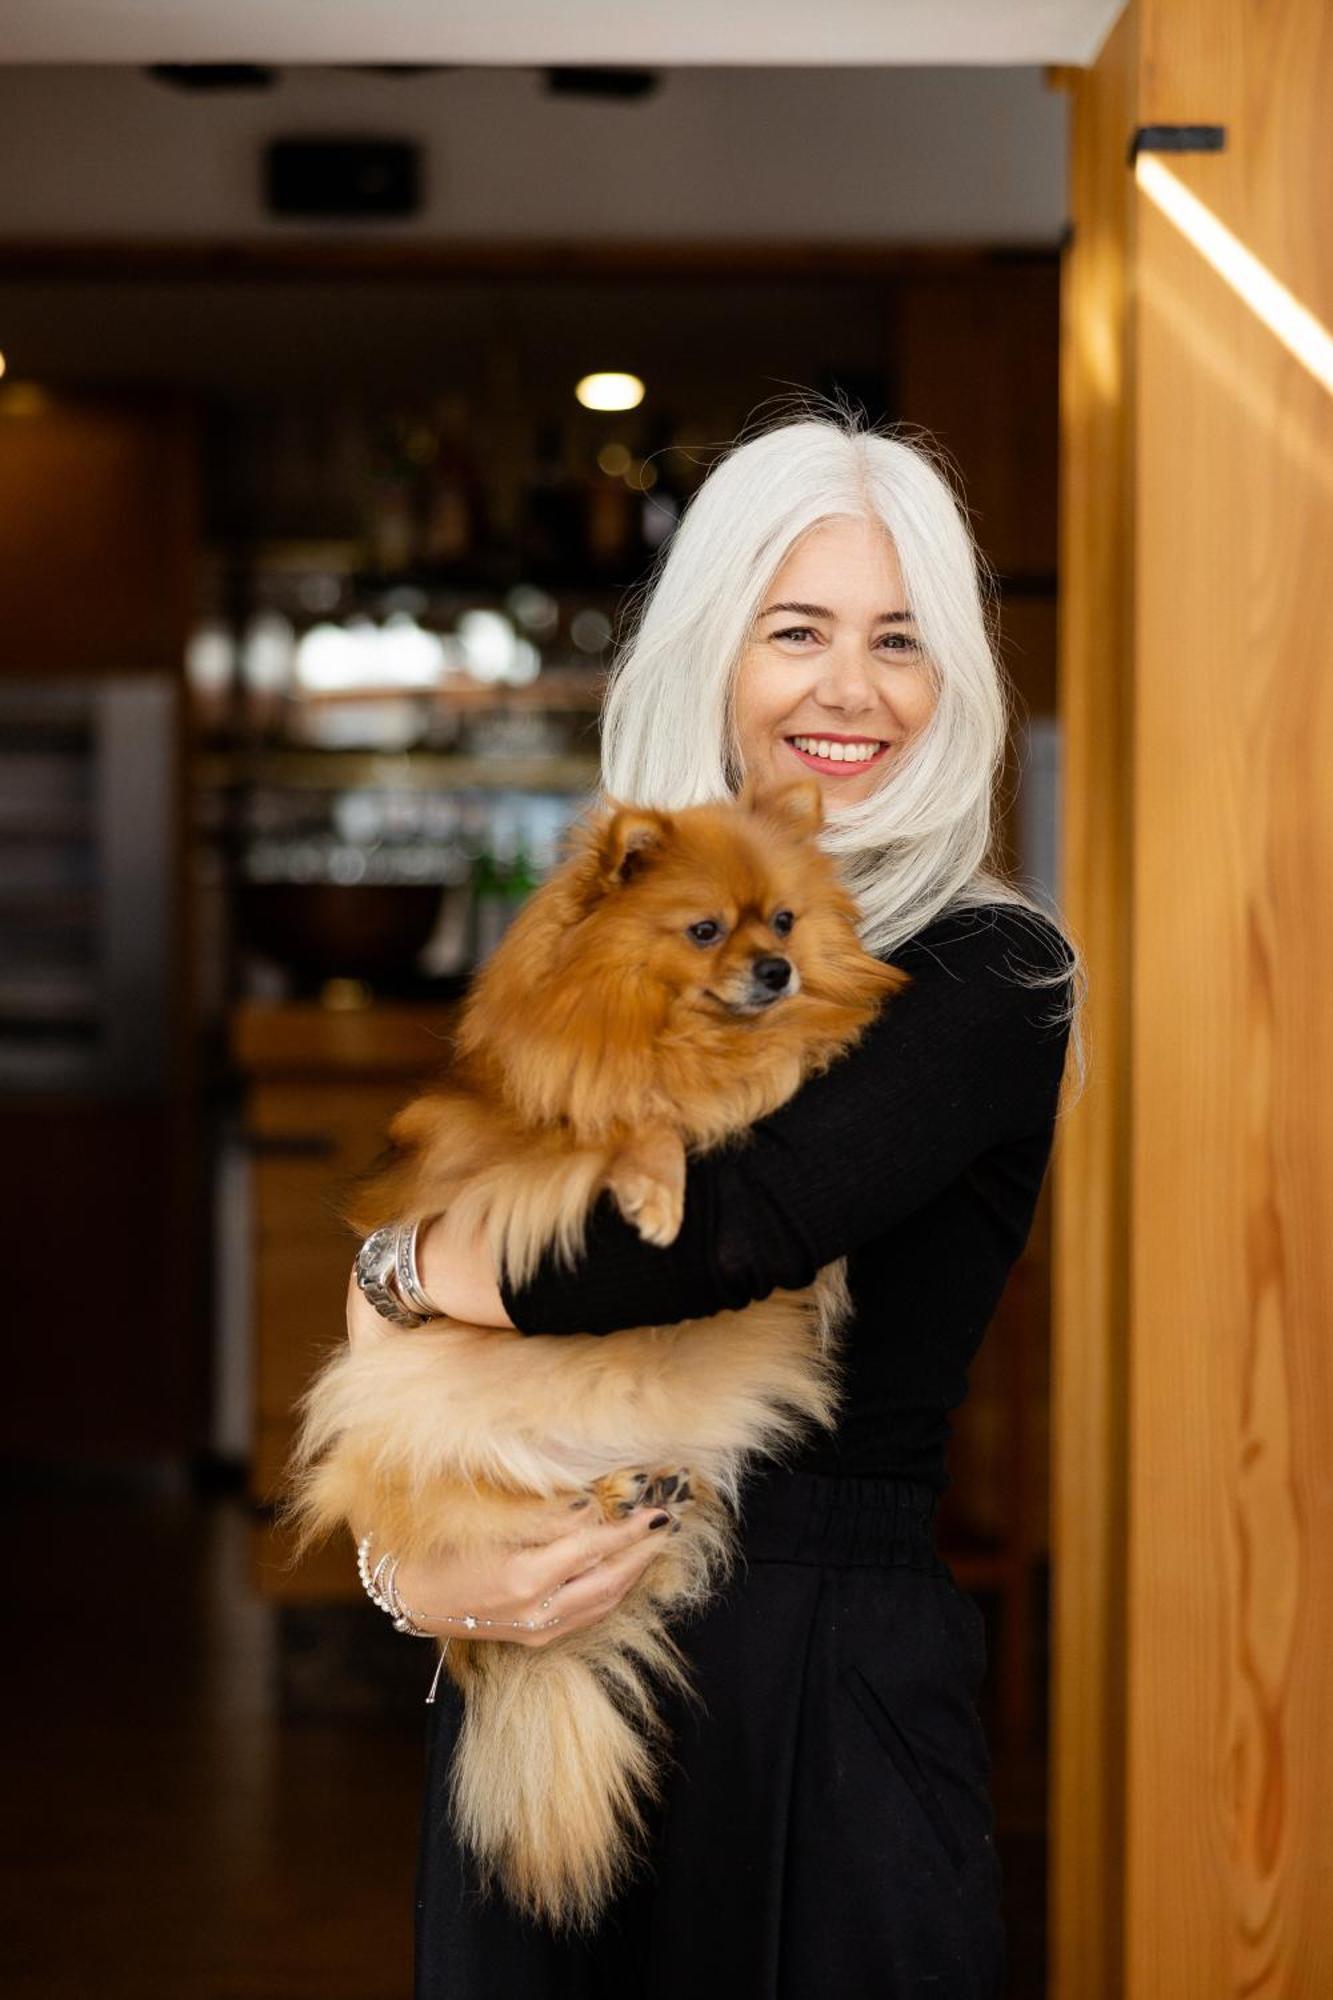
[206, 1800]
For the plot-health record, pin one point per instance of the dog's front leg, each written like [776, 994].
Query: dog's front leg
[647, 1177]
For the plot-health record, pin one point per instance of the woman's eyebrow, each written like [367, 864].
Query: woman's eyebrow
[822, 611]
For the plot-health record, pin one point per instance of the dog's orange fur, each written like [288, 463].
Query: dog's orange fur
[598, 1047]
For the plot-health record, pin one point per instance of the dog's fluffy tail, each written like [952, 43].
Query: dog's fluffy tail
[557, 1757]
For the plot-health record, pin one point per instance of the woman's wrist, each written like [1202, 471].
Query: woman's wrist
[457, 1273]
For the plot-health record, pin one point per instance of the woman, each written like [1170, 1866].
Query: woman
[825, 1828]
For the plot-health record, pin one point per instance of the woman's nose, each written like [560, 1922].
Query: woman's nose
[846, 675]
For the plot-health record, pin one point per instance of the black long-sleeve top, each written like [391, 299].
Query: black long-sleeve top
[918, 1155]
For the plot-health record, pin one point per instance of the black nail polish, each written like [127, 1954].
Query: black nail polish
[659, 1520]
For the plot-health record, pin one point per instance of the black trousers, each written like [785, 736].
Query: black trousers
[826, 1830]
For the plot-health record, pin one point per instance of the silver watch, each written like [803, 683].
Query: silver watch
[377, 1266]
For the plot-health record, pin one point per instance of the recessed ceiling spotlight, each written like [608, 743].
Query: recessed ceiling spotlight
[609, 391]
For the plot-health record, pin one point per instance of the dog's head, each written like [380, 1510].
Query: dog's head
[730, 909]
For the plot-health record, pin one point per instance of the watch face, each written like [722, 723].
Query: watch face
[376, 1255]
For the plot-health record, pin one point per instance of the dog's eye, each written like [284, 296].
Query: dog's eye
[705, 932]
[782, 922]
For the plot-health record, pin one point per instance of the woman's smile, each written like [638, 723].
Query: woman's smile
[849, 754]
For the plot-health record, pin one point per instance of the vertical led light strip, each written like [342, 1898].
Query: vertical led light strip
[1268, 299]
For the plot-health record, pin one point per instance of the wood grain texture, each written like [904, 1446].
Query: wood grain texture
[1090, 1183]
[1230, 1859]
[1194, 1269]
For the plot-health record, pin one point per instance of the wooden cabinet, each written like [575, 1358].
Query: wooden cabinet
[977, 364]
[321, 1088]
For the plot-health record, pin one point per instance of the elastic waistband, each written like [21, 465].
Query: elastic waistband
[810, 1517]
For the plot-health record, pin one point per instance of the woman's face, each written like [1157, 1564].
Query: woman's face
[833, 661]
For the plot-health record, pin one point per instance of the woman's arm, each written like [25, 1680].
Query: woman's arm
[457, 1273]
[963, 1059]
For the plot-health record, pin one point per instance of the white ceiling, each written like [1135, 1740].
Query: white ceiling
[773, 155]
[752, 32]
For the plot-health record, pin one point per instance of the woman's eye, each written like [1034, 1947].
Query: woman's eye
[893, 642]
[782, 923]
[706, 932]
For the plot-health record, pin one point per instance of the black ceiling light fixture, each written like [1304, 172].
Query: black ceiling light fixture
[625, 84]
[213, 76]
[343, 179]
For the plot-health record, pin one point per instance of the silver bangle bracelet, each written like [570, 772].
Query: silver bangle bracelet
[406, 1274]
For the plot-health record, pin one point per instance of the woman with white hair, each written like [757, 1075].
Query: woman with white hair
[825, 1827]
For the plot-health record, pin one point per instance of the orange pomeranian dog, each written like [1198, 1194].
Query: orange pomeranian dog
[677, 977]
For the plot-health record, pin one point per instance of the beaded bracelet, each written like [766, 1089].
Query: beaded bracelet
[385, 1596]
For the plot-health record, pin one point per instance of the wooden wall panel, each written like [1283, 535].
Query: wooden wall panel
[977, 352]
[1230, 1884]
[100, 504]
[1194, 1270]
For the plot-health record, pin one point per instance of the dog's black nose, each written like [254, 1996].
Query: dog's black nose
[772, 972]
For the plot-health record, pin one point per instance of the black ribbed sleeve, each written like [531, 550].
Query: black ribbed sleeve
[964, 1062]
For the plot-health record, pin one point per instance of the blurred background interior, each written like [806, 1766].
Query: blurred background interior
[343, 411]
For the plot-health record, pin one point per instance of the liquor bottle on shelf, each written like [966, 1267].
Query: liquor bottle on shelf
[455, 530]
[503, 877]
[553, 543]
[615, 546]
[523, 876]
[392, 529]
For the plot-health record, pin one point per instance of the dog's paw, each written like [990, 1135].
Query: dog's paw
[668, 1489]
[656, 1211]
[619, 1493]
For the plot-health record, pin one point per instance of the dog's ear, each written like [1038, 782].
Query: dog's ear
[797, 803]
[629, 839]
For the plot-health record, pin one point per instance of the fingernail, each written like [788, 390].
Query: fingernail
[659, 1520]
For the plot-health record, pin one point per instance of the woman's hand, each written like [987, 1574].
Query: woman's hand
[573, 1574]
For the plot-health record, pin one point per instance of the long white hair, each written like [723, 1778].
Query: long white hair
[923, 842]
